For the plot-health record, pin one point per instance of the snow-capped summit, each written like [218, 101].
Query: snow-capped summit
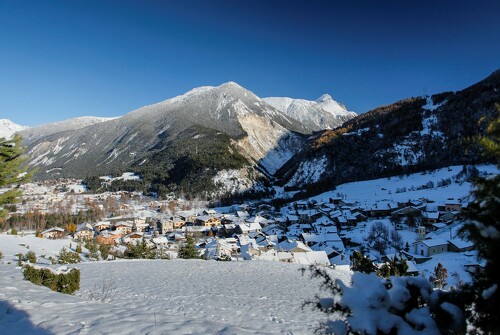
[9, 128]
[324, 113]
[328, 104]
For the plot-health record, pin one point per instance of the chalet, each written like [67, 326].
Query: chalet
[124, 227]
[382, 208]
[311, 257]
[437, 226]
[218, 249]
[109, 237]
[449, 216]
[300, 205]
[84, 232]
[165, 226]
[407, 211]
[459, 245]
[292, 246]
[430, 247]
[53, 233]
[430, 217]
[248, 227]
[335, 200]
[207, 221]
[141, 227]
[242, 214]
[308, 216]
[452, 205]
[209, 212]
[311, 239]
[102, 225]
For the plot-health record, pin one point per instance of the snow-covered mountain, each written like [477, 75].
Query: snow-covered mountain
[414, 134]
[66, 125]
[207, 126]
[324, 113]
[9, 128]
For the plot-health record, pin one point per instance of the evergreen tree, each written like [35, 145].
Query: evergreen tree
[361, 263]
[438, 279]
[12, 170]
[483, 229]
[394, 267]
[188, 249]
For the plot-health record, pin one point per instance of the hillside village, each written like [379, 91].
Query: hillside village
[321, 230]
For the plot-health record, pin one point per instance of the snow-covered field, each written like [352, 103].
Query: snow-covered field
[159, 297]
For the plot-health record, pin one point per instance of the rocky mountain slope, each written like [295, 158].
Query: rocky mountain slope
[324, 113]
[408, 136]
[9, 128]
[38, 132]
[177, 143]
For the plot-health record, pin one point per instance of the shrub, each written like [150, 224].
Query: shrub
[93, 249]
[68, 257]
[30, 257]
[59, 281]
[105, 250]
[13, 231]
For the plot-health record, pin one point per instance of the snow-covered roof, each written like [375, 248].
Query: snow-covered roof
[434, 242]
[461, 244]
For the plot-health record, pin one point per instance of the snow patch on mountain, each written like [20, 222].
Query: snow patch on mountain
[309, 172]
[233, 181]
[9, 128]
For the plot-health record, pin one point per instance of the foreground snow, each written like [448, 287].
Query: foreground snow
[163, 297]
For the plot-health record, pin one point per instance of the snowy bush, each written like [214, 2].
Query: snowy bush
[60, 280]
[397, 305]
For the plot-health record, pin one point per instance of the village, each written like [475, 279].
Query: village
[322, 230]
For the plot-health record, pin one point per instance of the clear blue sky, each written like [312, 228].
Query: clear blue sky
[62, 59]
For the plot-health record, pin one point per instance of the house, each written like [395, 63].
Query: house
[311, 257]
[430, 247]
[84, 232]
[124, 227]
[109, 237]
[248, 227]
[165, 226]
[459, 245]
[53, 233]
[430, 217]
[292, 246]
[207, 221]
[210, 212]
[141, 227]
[452, 206]
[382, 208]
[102, 225]
[218, 249]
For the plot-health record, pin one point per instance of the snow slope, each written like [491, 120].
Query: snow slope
[160, 297]
[405, 188]
[8, 128]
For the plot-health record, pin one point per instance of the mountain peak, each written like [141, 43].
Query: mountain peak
[231, 84]
[8, 128]
[324, 98]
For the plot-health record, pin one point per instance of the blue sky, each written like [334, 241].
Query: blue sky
[62, 59]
